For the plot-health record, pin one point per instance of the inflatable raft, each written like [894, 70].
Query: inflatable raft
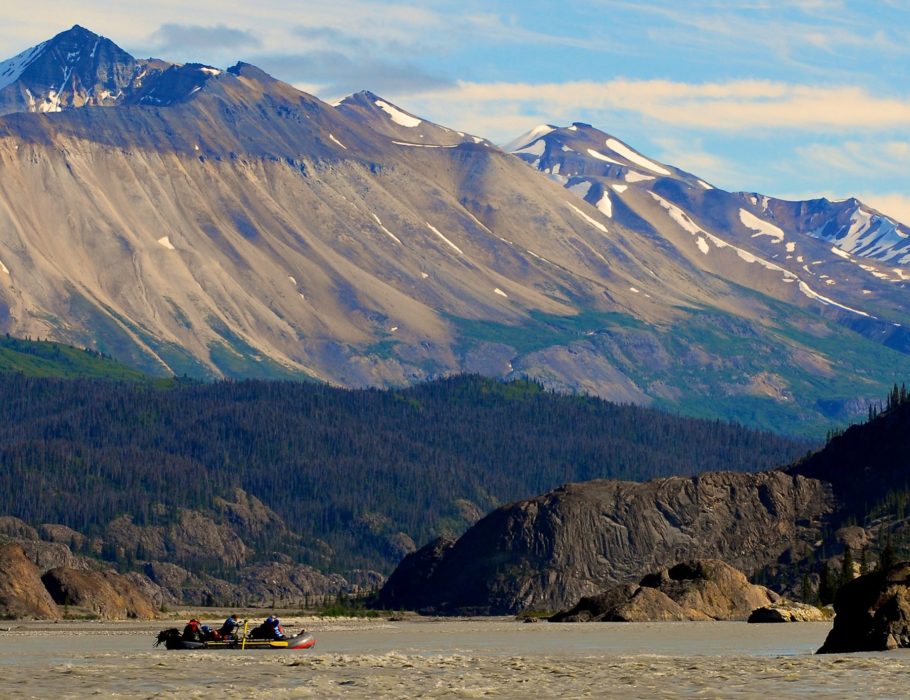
[172, 639]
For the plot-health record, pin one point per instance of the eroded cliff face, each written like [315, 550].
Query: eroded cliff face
[547, 552]
[21, 591]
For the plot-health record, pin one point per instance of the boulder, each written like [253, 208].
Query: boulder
[625, 603]
[21, 592]
[692, 590]
[105, 594]
[789, 611]
[872, 613]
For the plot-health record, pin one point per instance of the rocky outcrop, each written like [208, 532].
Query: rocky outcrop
[192, 537]
[52, 555]
[547, 552]
[105, 594]
[61, 534]
[21, 592]
[872, 613]
[790, 611]
[693, 590]
[16, 528]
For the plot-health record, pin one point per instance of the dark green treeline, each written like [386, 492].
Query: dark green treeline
[349, 468]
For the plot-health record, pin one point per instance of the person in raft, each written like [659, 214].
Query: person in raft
[229, 628]
[270, 629]
[192, 631]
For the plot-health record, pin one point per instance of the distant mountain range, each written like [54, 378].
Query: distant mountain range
[187, 219]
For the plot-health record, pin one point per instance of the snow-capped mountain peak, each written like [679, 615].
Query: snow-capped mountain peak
[75, 68]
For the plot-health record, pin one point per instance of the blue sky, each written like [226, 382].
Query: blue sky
[793, 99]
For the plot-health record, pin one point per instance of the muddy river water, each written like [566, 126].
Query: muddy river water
[451, 659]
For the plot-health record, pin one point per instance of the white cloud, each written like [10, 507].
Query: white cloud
[859, 158]
[733, 106]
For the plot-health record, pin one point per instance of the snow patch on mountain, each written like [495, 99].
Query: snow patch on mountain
[500, 292]
[630, 155]
[760, 226]
[809, 292]
[619, 188]
[601, 156]
[3, 268]
[166, 242]
[605, 205]
[527, 138]
[386, 231]
[840, 253]
[332, 138]
[705, 185]
[702, 245]
[537, 148]
[594, 222]
[680, 217]
[452, 245]
[421, 145]
[13, 68]
[634, 176]
[397, 116]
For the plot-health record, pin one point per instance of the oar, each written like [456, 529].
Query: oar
[243, 643]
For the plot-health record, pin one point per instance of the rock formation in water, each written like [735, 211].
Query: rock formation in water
[692, 590]
[790, 611]
[547, 552]
[872, 613]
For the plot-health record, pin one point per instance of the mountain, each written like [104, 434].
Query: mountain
[843, 254]
[76, 68]
[222, 223]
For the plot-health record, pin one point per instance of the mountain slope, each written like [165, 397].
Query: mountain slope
[222, 223]
[837, 254]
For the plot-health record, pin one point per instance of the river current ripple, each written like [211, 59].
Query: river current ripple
[451, 659]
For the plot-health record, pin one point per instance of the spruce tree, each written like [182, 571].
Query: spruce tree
[846, 571]
[827, 585]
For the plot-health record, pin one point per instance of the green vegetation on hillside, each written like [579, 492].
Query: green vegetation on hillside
[49, 359]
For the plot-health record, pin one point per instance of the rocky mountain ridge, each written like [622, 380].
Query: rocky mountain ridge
[222, 223]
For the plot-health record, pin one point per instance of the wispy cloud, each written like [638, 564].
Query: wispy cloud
[735, 106]
[860, 158]
[190, 36]
[334, 74]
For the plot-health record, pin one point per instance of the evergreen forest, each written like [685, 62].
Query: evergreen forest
[354, 472]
